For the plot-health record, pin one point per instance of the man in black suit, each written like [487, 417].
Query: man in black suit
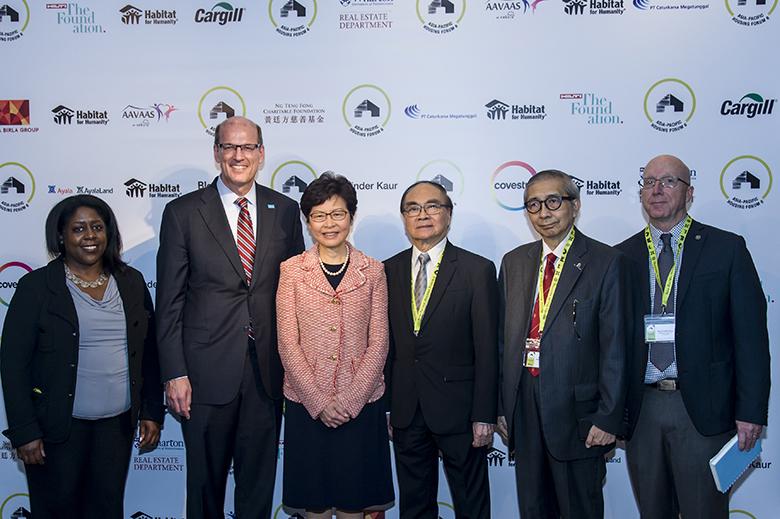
[562, 337]
[443, 363]
[217, 272]
[697, 287]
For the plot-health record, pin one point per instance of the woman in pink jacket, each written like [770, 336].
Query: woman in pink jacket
[333, 338]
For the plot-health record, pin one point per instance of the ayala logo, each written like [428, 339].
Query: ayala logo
[750, 106]
[222, 13]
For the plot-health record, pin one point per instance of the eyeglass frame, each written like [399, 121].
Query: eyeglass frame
[546, 202]
[322, 216]
[424, 208]
[246, 148]
[663, 181]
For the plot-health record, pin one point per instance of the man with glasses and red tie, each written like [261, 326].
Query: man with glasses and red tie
[563, 334]
[217, 275]
[699, 359]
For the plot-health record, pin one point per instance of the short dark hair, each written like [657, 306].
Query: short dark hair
[63, 211]
[569, 187]
[219, 126]
[430, 183]
[328, 185]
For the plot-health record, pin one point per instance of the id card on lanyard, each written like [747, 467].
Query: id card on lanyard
[417, 314]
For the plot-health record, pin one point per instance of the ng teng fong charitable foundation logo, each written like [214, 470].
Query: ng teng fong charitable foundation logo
[218, 104]
[669, 105]
[751, 13]
[441, 16]
[292, 18]
[17, 188]
[293, 114]
[508, 183]
[366, 110]
[746, 182]
[592, 108]
[14, 18]
[10, 274]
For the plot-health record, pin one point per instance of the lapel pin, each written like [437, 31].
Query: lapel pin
[579, 266]
[698, 236]
[270, 206]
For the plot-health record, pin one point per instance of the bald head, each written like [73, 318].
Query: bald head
[666, 200]
[665, 165]
[237, 121]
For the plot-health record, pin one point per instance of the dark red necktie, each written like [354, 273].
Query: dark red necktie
[245, 239]
[549, 271]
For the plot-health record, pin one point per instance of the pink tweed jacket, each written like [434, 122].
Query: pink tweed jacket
[333, 343]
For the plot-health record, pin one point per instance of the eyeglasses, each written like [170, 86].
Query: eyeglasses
[232, 148]
[337, 215]
[431, 209]
[552, 203]
[670, 182]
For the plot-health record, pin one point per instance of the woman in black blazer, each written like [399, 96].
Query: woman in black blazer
[79, 366]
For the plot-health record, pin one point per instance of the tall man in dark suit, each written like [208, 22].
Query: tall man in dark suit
[699, 362]
[443, 363]
[217, 272]
[563, 339]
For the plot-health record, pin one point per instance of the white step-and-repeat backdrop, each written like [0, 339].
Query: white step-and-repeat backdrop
[120, 100]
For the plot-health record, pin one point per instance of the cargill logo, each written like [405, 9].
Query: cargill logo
[222, 13]
[749, 106]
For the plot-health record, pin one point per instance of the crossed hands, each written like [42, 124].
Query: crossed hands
[334, 414]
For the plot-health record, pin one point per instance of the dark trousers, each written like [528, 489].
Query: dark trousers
[85, 475]
[245, 431]
[548, 488]
[417, 466]
[668, 462]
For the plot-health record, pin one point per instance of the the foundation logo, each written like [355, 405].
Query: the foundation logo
[441, 16]
[366, 110]
[10, 274]
[17, 188]
[292, 178]
[147, 115]
[78, 17]
[132, 15]
[508, 183]
[292, 17]
[217, 104]
[593, 7]
[746, 182]
[592, 108]
[750, 13]
[14, 112]
[221, 13]
[669, 105]
[14, 17]
[16, 506]
[445, 173]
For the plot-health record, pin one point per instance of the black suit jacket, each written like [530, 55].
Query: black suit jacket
[204, 305]
[451, 367]
[40, 350]
[583, 362]
[721, 336]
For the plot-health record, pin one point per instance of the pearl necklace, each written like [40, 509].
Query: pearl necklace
[339, 271]
[99, 282]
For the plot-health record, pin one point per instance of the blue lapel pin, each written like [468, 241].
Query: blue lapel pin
[270, 206]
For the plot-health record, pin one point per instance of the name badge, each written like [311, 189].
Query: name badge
[532, 353]
[659, 328]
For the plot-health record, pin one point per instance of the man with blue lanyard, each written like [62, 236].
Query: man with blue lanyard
[562, 338]
[443, 361]
[699, 362]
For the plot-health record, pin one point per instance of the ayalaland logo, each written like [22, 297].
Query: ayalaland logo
[750, 106]
[292, 178]
[80, 18]
[441, 16]
[508, 184]
[593, 7]
[132, 15]
[746, 181]
[221, 14]
[65, 116]
[143, 116]
[10, 273]
[217, 104]
[14, 17]
[366, 110]
[593, 108]
[501, 111]
[669, 105]
[18, 187]
[292, 17]
[750, 13]
[16, 506]
[14, 112]
[445, 173]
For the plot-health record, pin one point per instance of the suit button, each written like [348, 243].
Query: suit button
[333, 328]
[70, 395]
[74, 334]
[334, 357]
[132, 382]
[72, 365]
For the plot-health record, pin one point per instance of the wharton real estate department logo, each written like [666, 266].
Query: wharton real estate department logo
[14, 17]
[440, 16]
[132, 15]
[750, 13]
[669, 105]
[366, 110]
[217, 104]
[292, 17]
[17, 188]
[508, 184]
[366, 15]
[746, 181]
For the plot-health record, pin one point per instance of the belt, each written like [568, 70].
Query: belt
[667, 384]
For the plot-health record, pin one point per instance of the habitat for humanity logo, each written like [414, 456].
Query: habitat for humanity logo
[593, 7]
[445, 173]
[746, 181]
[366, 110]
[217, 104]
[80, 18]
[18, 187]
[132, 15]
[146, 115]
[591, 107]
[440, 16]
[669, 105]
[750, 106]
[366, 15]
[293, 113]
[599, 187]
[508, 184]
[671, 5]
[750, 13]
[221, 14]
[292, 178]
[292, 17]
[135, 188]
[415, 112]
[14, 17]
[501, 111]
[65, 116]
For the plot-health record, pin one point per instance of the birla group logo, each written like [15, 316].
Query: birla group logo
[16, 506]
[746, 181]
[441, 16]
[14, 112]
[14, 17]
[508, 183]
[18, 187]
[292, 18]
[669, 105]
[750, 13]
[749, 106]
[366, 110]
[10, 274]
[222, 13]
[132, 15]
[445, 173]
[292, 178]
[217, 104]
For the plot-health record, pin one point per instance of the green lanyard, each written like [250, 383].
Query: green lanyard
[546, 302]
[417, 315]
[669, 283]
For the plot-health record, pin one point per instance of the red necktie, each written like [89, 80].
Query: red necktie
[245, 239]
[549, 271]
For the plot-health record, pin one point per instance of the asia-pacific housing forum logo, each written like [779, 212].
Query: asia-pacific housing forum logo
[18, 187]
[15, 506]
[14, 17]
[292, 177]
[508, 183]
[10, 273]
[746, 181]
[440, 16]
[366, 110]
[750, 13]
[218, 104]
[445, 173]
[669, 105]
[292, 17]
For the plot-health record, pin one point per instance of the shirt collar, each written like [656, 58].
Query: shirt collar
[229, 197]
[656, 233]
[559, 249]
[434, 252]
